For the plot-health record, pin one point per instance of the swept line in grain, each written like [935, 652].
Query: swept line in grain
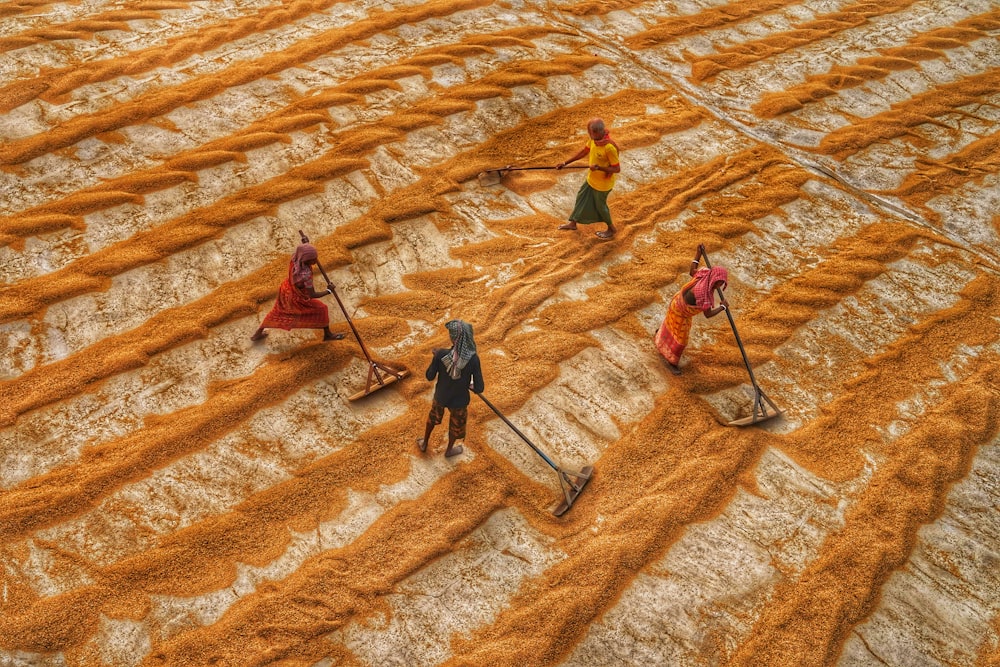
[68, 211]
[546, 621]
[44, 385]
[808, 621]
[93, 272]
[925, 46]
[68, 491]
[826, 26]
[674, 27]
[22, 6]
[649, 490]
[934, 178]
[82, 28]
[904, 117]
[53, 84]
[830, 444]
[151, 105]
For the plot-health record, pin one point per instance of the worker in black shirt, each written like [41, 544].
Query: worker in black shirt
[456, 369]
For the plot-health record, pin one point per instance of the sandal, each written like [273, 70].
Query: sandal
[606, 234]
[422, 444]
[455, 451]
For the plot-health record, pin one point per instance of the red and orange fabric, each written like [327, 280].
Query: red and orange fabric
[672, 337]
[295, 307]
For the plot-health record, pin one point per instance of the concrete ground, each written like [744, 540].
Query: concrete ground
[172, 493]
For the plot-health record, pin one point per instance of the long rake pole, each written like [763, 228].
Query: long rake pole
[732, 322]
[759, 395]
[373, 367]
[569, 481]
[516, 430]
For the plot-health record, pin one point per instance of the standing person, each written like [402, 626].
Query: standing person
[697, 296]
[455, 368]
[298, 305]
[592, 198]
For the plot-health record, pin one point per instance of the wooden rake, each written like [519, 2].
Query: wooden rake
[382, 374]
[763, 407]
[493, 176]
[570, 481]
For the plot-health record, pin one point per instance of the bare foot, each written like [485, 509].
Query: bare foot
[422, 444]
[336, 336]
[259, 335]
[608, 233]
[568, 225]
[453, 451]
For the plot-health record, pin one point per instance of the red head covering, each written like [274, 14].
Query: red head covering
[300, 269]
[707, 281]
[607, 140]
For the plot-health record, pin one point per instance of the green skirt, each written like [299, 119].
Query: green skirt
[591, 206]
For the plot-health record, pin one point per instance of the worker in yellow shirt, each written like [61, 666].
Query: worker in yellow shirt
[592, 198]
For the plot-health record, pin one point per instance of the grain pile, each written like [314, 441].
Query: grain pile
[172, 494]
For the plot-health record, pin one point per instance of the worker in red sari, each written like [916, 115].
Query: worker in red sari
[298, 305]
[696, 296]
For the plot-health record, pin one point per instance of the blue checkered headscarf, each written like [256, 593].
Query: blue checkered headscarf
[463, 347]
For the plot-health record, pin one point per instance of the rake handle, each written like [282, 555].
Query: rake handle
[350, 322]
[568, 166]
[732, 322]
[516, 430]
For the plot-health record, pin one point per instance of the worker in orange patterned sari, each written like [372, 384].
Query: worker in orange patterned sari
[696, 296]
[298, 305]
